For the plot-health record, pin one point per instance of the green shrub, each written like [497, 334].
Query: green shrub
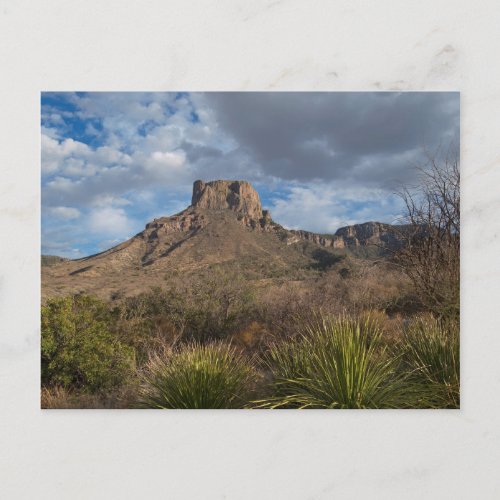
[198, 376]
[336, 363]
[432, 354]
[77, 348]
[208, 306]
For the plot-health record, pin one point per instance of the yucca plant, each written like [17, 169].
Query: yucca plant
[338, 362]
[197, 376]
[432, 354]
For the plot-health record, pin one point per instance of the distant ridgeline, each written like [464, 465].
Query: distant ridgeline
[241, 197]
[225, 225]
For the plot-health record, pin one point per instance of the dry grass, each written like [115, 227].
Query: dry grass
[251, 337]
[59, 398]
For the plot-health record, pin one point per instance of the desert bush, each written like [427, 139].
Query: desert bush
[250, 337]
[77, 348]
[338, 362]
[361, 286]
[431, 254]
[145, 323]
[374, 286]
[432, 353]
[197, 376]
[214, 304]
[284, 309]
[209, 306]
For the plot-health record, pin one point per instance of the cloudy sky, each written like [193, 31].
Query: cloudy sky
[113, 161]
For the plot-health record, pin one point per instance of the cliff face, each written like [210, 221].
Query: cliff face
[238, 196]
[358, 235]
[370, 233]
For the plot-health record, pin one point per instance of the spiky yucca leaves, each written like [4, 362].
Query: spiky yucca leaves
[338, 362]
[432, 354]
[197, 376]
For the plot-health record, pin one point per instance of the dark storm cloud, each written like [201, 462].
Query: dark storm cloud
[369, 137]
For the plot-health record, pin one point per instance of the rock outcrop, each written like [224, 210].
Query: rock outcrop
[371, 233]
[357, 235]
[238, 196]
[225, 224]
[242, 198]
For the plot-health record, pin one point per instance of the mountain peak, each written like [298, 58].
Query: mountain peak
[238, 196]
[225, 225]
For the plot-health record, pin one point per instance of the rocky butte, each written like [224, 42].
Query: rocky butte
[224, 225]
[242, 198]
[238, 196]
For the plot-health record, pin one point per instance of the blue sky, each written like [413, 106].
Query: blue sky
[111, 161]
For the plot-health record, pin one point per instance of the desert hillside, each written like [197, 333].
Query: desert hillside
[219, 306]
[226, 226]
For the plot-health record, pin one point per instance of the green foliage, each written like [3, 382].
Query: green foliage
[77, 347]
[432, 354]
[336, 363]
[198, 376]
[89, 352]
[207, 307]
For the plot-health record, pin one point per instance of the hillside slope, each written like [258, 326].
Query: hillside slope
[225, 226]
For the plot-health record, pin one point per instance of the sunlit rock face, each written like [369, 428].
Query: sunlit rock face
[238, 196]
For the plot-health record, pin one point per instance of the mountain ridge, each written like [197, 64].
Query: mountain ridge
[224, 225]
[240, 197]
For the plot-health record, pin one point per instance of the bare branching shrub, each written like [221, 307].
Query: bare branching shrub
[375, 286]
[431, 255]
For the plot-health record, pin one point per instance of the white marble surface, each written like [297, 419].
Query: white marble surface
[218, 45]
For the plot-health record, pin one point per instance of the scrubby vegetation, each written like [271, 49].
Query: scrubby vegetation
[78, 349]
[287, 348]
[337, 362]
[431, 255]
[197, 376]
[432, 356]
[350, 331]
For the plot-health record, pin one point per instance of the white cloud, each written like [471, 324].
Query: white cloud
[174, 160]
[324, 208]
[106, 200]
[314, 209]
[109, 221]
[65, 213]
[62, 184]
[55, 152]
[50, 132]
[91, 130]
[50, 154]
[147, 148]
[165, 166]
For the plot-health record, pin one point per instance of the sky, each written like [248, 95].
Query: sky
[113, 161]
